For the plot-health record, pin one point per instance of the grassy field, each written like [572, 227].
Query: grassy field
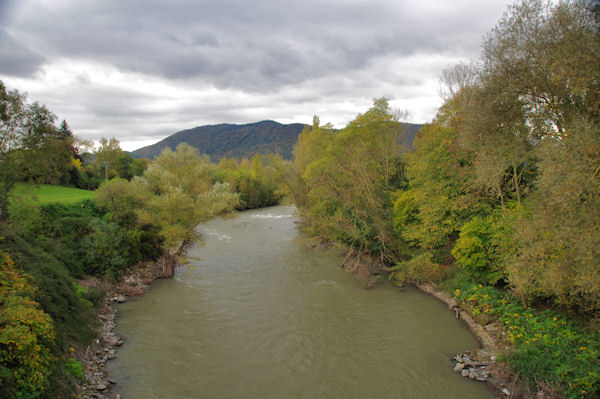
[46, 194]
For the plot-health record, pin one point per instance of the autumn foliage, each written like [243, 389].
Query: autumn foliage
[26, 334]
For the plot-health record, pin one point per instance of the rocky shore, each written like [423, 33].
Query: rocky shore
[481, 365]
[97, 382]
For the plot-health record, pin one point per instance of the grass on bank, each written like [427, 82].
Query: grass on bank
[44, 194]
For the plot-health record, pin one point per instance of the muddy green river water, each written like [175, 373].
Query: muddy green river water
[258, 314]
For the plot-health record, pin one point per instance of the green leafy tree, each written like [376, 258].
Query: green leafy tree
[475, 249]
[289, 181]
[537, 97]
[545, 57]
[106, 250]
[557, 254]
[184, 194]
[122, 199]
[312, 144]
[228, 163]
[440, 174]
[349, 187]
[256, 164]
[128, 167]
[107, 157]
[31, 147]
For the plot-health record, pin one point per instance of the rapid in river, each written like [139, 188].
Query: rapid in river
[259, 314]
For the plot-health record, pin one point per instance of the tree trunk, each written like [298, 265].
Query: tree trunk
[516, 181]
[501, 195]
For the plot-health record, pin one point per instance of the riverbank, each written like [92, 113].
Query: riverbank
[490, 336]
[480, 365]
[97, 381]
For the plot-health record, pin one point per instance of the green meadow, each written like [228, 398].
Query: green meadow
[45, 194]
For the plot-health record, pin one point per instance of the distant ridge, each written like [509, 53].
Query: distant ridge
[408, 138]
[239, 141]
[230, 140]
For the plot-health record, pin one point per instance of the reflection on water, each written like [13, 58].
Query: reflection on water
[258, 315]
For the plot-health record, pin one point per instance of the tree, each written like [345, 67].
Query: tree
[557, 246]
[228, 163]
[122, 199]
[256, 165]
[349, 180]
[529, 117]
[440, 177]
[184, 194]
[289, 180]
[547, 57]
[128, 167]
[31, 147]
[12, 132]
[107, 156]
[312, 144]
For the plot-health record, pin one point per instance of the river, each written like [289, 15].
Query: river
[257, 314]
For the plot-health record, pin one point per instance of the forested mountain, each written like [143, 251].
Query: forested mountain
[230, 140]
[241, 141]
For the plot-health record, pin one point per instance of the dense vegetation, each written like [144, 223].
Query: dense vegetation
[251, 179]
[34, 149]
[502, 190]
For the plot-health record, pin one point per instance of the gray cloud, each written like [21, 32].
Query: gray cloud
[16, 59]
[255, 46]
[284, 55]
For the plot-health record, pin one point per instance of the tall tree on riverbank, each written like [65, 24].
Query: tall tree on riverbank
[183, 194]
[350, 177]
[544, 60]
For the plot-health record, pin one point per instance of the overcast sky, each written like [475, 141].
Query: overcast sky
[140, 70]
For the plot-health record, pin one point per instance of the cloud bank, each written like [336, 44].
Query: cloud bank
[140, 70]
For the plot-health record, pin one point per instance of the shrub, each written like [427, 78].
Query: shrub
[475, 251]
[145, 243]
[420, 268]
[405, 210]
[26, 336]
[121, 198]
[56, 293]
[94, 295]
[74, 368]
[106, 250]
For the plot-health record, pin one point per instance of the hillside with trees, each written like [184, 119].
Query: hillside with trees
[231, 141]
[242, 141]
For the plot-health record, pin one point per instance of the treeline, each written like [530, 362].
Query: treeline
[107, 161]
[34, 149]
[255, 182]
[502, 189]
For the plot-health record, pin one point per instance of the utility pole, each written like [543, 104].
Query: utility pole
[106, 165]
